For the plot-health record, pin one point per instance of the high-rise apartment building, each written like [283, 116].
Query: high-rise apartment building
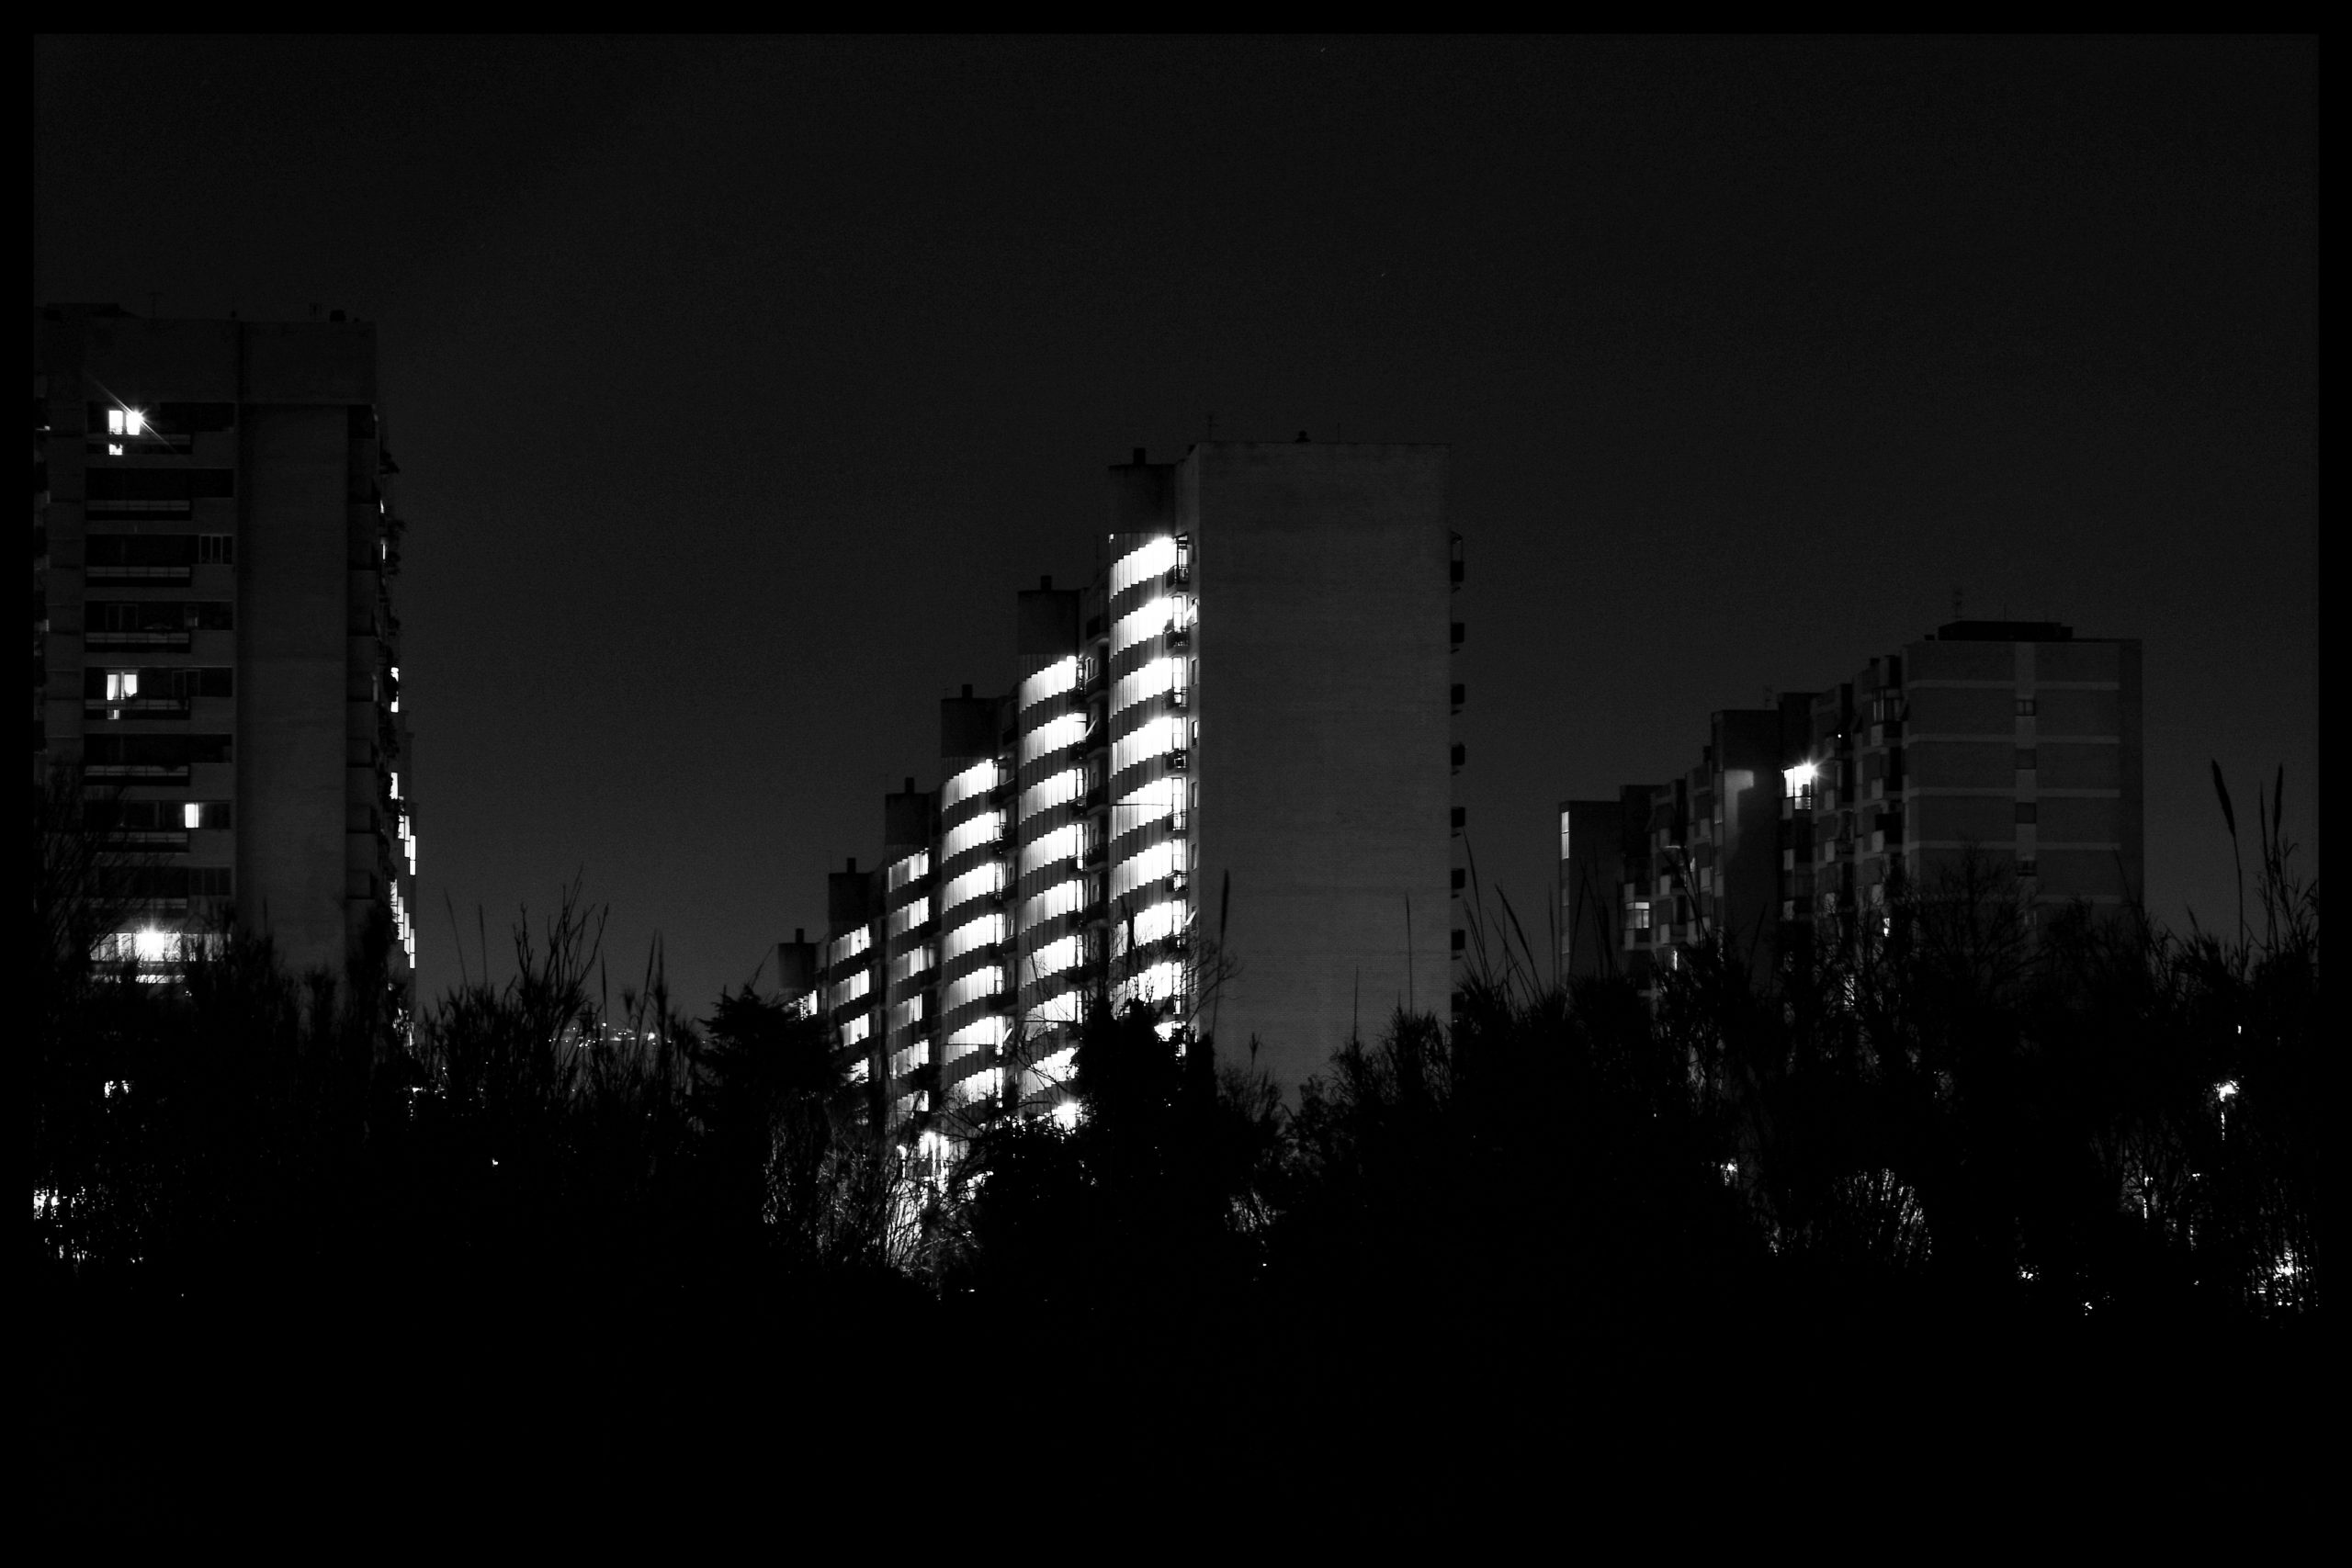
[1221, 787]
[216, 664]
[2015, 745]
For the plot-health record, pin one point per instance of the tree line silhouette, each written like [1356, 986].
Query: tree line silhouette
[1954, 1127]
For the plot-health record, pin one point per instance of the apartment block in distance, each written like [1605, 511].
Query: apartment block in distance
[216, 662]
[2014, 743]
[1222, 787]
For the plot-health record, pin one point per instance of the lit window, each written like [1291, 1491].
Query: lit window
[114, 423]
[133, 422]
[1055, 679]
[192, 815]
[121, 684]
[1059, 790]
[1637, 915]
[1146, 560]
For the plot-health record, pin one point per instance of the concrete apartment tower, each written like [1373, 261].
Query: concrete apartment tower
[1221, 787]
[1281, 662]
[217, 663]
[2013, 745]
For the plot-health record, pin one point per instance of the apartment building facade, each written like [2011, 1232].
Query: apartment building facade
[1221, 788]
[217, 666]
[2013, 748]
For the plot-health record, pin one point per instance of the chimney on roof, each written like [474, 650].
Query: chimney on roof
[853, 865]
[801, 933]
[911, 784]
[967, 690]
[1139, 457]
[1302, 436]
[1045, 584]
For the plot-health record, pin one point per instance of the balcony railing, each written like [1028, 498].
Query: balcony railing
[140, 576]
[170, 641]
[137, 707]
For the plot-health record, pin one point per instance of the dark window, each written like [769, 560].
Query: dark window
[216, 549]
[1461, 752]
[1461, 878]
[161, 484]
[160, 615]
[2025, 707]
[2025, 757]
[2026, 810]
[1461, 818]
[1457, 634]
[1461, 940]
[153, 751]
[106, 550]
[1458, 690]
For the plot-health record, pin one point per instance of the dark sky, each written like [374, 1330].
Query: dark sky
[737, 385]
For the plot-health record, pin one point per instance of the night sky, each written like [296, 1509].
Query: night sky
[737, 385]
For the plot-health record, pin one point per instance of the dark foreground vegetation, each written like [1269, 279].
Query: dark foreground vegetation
[1960, 1163]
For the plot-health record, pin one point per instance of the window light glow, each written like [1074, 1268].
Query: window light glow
[1155, 863]
[909, 869]
[1141, 685]
[134, 423]
[985, 829]
[1158, 984]
[1067, 1008]
[1053, 959]
[1063, 899]
[1066, 1115]
[908, 965]
[1152, 738]
[1058, 1068]
[981, 1034]
[907, 916]
[1143, 807]
[965, 989]
[1059, 790]
[988, 929]
[1054, 735]
[1063, 843]
[1051, 681]
[977, 883]
[908, 1013]
[856, 1030]
[977, 779]
[1146, 561]
[1158, 921]
[1149, 620]
[192, 815]
[154, 946]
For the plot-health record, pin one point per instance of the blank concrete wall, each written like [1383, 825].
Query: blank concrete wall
[1323, 693]
[293, 588]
